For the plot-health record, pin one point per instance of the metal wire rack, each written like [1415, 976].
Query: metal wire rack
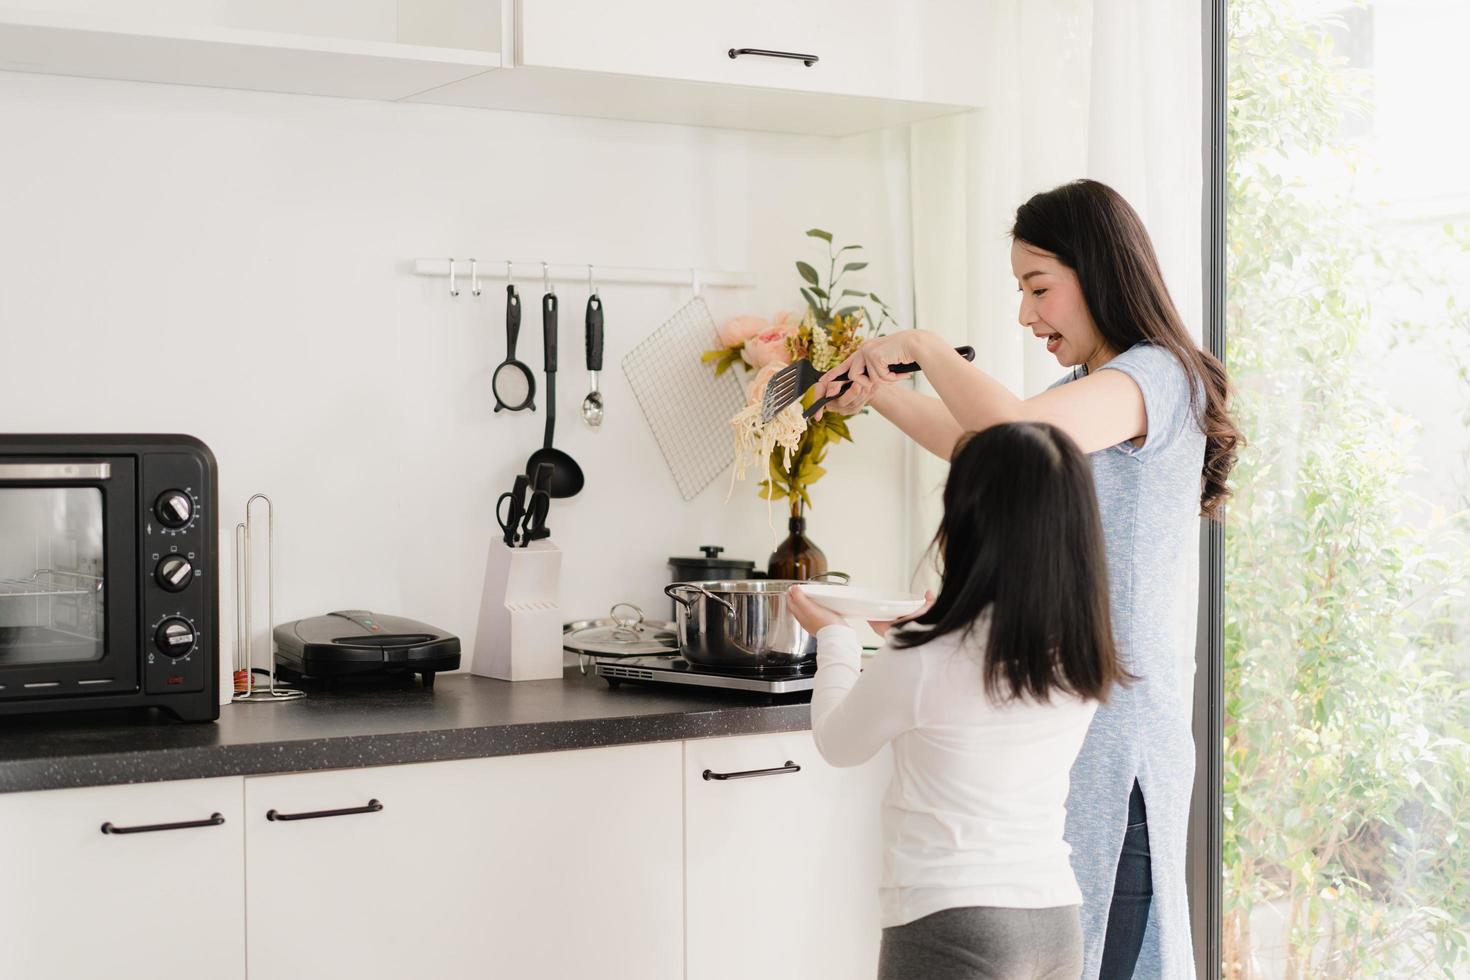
[35, 587]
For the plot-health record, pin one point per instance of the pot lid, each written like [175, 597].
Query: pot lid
[711, 559]
[625, 633]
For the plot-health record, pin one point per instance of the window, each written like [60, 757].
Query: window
[1346, 754]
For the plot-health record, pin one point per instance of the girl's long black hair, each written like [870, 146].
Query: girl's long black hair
[1094, 232]
[1021, 540]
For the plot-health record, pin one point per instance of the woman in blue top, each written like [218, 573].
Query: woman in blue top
[1150, 407]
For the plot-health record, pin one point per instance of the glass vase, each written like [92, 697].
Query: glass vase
[796, 557]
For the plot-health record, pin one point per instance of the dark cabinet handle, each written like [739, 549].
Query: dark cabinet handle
[373, 806]
[747, 774]
[805, 59]
[214, 820]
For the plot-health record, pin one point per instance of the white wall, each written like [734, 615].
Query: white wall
[234, 265]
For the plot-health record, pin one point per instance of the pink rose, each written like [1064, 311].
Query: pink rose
[738, 329]
[768, 347]
[787, 318]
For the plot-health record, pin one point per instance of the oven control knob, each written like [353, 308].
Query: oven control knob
[174, 508]
[174, 573]
[175, 636]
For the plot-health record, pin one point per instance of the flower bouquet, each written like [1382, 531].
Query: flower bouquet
[836, 321]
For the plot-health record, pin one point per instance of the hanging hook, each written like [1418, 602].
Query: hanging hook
[474, 279]
[507, 272]
[591, 285]
[694, 282]
[546, 279]
[453, 289]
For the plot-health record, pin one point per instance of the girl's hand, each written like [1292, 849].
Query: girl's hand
[882, 626]
[811, 616]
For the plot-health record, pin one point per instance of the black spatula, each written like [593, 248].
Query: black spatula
[790, 383]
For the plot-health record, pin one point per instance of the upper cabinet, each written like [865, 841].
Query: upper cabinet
[369, 49]
[862, 65]
[870, 48]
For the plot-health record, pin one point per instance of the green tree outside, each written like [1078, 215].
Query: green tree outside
[1347, 716]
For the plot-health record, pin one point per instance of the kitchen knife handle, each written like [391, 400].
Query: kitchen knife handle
[908, 367]
[594, 332]
[548, 330]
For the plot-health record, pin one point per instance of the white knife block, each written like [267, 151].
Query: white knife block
[519, 636]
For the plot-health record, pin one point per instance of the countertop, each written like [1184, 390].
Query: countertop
[464, 717]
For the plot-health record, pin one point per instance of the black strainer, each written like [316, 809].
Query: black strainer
[513, 383]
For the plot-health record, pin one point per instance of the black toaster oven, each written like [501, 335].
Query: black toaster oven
[108, 590]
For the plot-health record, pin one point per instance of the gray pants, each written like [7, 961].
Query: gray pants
[985, 944]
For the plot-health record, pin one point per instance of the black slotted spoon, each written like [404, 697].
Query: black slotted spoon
[788, 385]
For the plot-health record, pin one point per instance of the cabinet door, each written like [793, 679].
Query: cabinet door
[554, 865]
[864, 47]
[154, 904]
[782, 869]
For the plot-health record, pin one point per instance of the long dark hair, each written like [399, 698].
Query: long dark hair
[1095, 233]
[1021, 538]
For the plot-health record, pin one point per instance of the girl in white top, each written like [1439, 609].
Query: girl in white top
[986, 697]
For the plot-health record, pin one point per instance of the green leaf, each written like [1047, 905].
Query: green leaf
[852, 292]
[812, 301]
[847, 248]
[854, 266]
[807, 273]
[847, 311]
[875, 299]
[825, 236]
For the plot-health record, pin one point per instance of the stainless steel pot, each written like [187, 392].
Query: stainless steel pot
[741, 624]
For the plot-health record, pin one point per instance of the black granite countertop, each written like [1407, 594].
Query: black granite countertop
[464, 717]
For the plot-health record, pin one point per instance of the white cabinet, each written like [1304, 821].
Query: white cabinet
[878, 62]
[861, 47]
[539, 866]
[138, 903]
[372, 49]
[782, 868]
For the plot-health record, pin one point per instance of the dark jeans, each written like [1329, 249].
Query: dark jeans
[1133, 892]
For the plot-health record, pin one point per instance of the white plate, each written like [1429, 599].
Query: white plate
[863, 603]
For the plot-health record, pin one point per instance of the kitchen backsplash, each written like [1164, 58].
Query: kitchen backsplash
[237, 266]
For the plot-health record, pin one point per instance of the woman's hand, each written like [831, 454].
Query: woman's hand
[811, 616]
[882, 626]
[867, 369]
[851, 401]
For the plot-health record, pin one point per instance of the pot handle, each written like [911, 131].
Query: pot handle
[672, 591]
[843, 576]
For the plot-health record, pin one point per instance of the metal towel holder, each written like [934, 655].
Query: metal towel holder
[244, 633]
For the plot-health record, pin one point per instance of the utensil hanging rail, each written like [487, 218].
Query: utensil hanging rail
[468, 272]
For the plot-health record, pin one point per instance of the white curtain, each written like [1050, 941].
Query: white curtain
[1109, 90]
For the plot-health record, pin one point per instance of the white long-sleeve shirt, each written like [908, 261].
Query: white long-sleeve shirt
[975, 810]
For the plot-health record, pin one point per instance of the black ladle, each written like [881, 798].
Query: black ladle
[566, 475]
[513, 383]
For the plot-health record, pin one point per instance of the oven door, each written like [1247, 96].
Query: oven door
[68, 577]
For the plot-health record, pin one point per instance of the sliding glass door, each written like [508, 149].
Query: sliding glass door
[1345, 756]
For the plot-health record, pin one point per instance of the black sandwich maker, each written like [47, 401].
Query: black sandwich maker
[357, 642]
